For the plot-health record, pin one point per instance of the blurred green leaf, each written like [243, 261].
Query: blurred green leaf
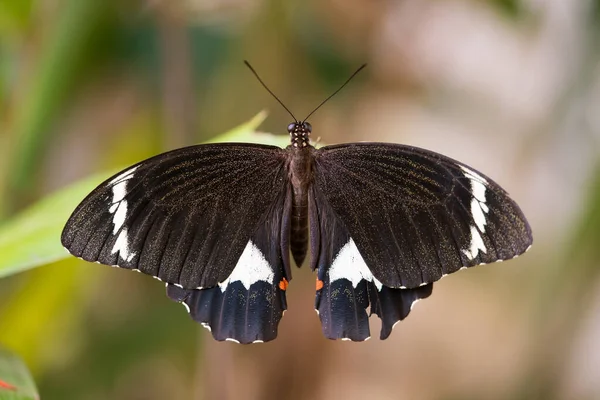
[43, 306]
[584, 242]
[246, 133]
[68, 49]
[510, 7]
[16, 382]
[14, 15]
[32, 238]
[513, 9]
[595, 14]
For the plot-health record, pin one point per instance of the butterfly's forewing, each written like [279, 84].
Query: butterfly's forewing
[345, 285]
[415, 215]
[184, 216]
[248, 306]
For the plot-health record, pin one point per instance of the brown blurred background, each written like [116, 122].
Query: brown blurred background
[511, 87]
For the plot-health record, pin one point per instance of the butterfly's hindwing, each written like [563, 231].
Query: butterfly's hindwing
[247, 306]
[393, 305]
[184, 216]
[416, 215]
[346, 287]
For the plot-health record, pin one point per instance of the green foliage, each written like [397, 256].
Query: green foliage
[16, 382]
[14, 15]
[512, 8]
[32, 237]
[66, 52]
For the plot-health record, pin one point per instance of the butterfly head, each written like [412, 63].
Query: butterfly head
[300, 133]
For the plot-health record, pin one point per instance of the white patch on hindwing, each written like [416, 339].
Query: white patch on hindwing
[251, 267]
[349, 264]
[479, 209]
[119, 210]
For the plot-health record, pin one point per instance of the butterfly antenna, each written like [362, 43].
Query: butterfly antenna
[334, 93]
[269, 90]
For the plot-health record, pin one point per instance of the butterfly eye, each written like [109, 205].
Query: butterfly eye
[308, 126]
[291, 127]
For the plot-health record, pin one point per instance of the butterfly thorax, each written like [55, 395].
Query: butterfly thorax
[299, 134]
[301, 176]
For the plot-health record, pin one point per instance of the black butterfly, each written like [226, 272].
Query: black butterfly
[217, 222]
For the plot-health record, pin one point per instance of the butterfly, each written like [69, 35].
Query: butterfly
[217, 223]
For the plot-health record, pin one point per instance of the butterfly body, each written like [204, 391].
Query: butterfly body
[300, 165]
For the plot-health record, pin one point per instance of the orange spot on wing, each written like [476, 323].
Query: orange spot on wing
[283, 284]
[8, 386]
[319, 284]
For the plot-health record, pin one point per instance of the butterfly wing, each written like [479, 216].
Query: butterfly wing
[248, 305]
[415, 215]
[185, 216]
[345, 285]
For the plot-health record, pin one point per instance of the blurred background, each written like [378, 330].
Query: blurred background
[510, 87]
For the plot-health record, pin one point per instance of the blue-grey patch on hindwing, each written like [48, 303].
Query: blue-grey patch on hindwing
[239, 314]
[343, 307]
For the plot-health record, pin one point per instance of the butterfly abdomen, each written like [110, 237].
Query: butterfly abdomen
[300, 172]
